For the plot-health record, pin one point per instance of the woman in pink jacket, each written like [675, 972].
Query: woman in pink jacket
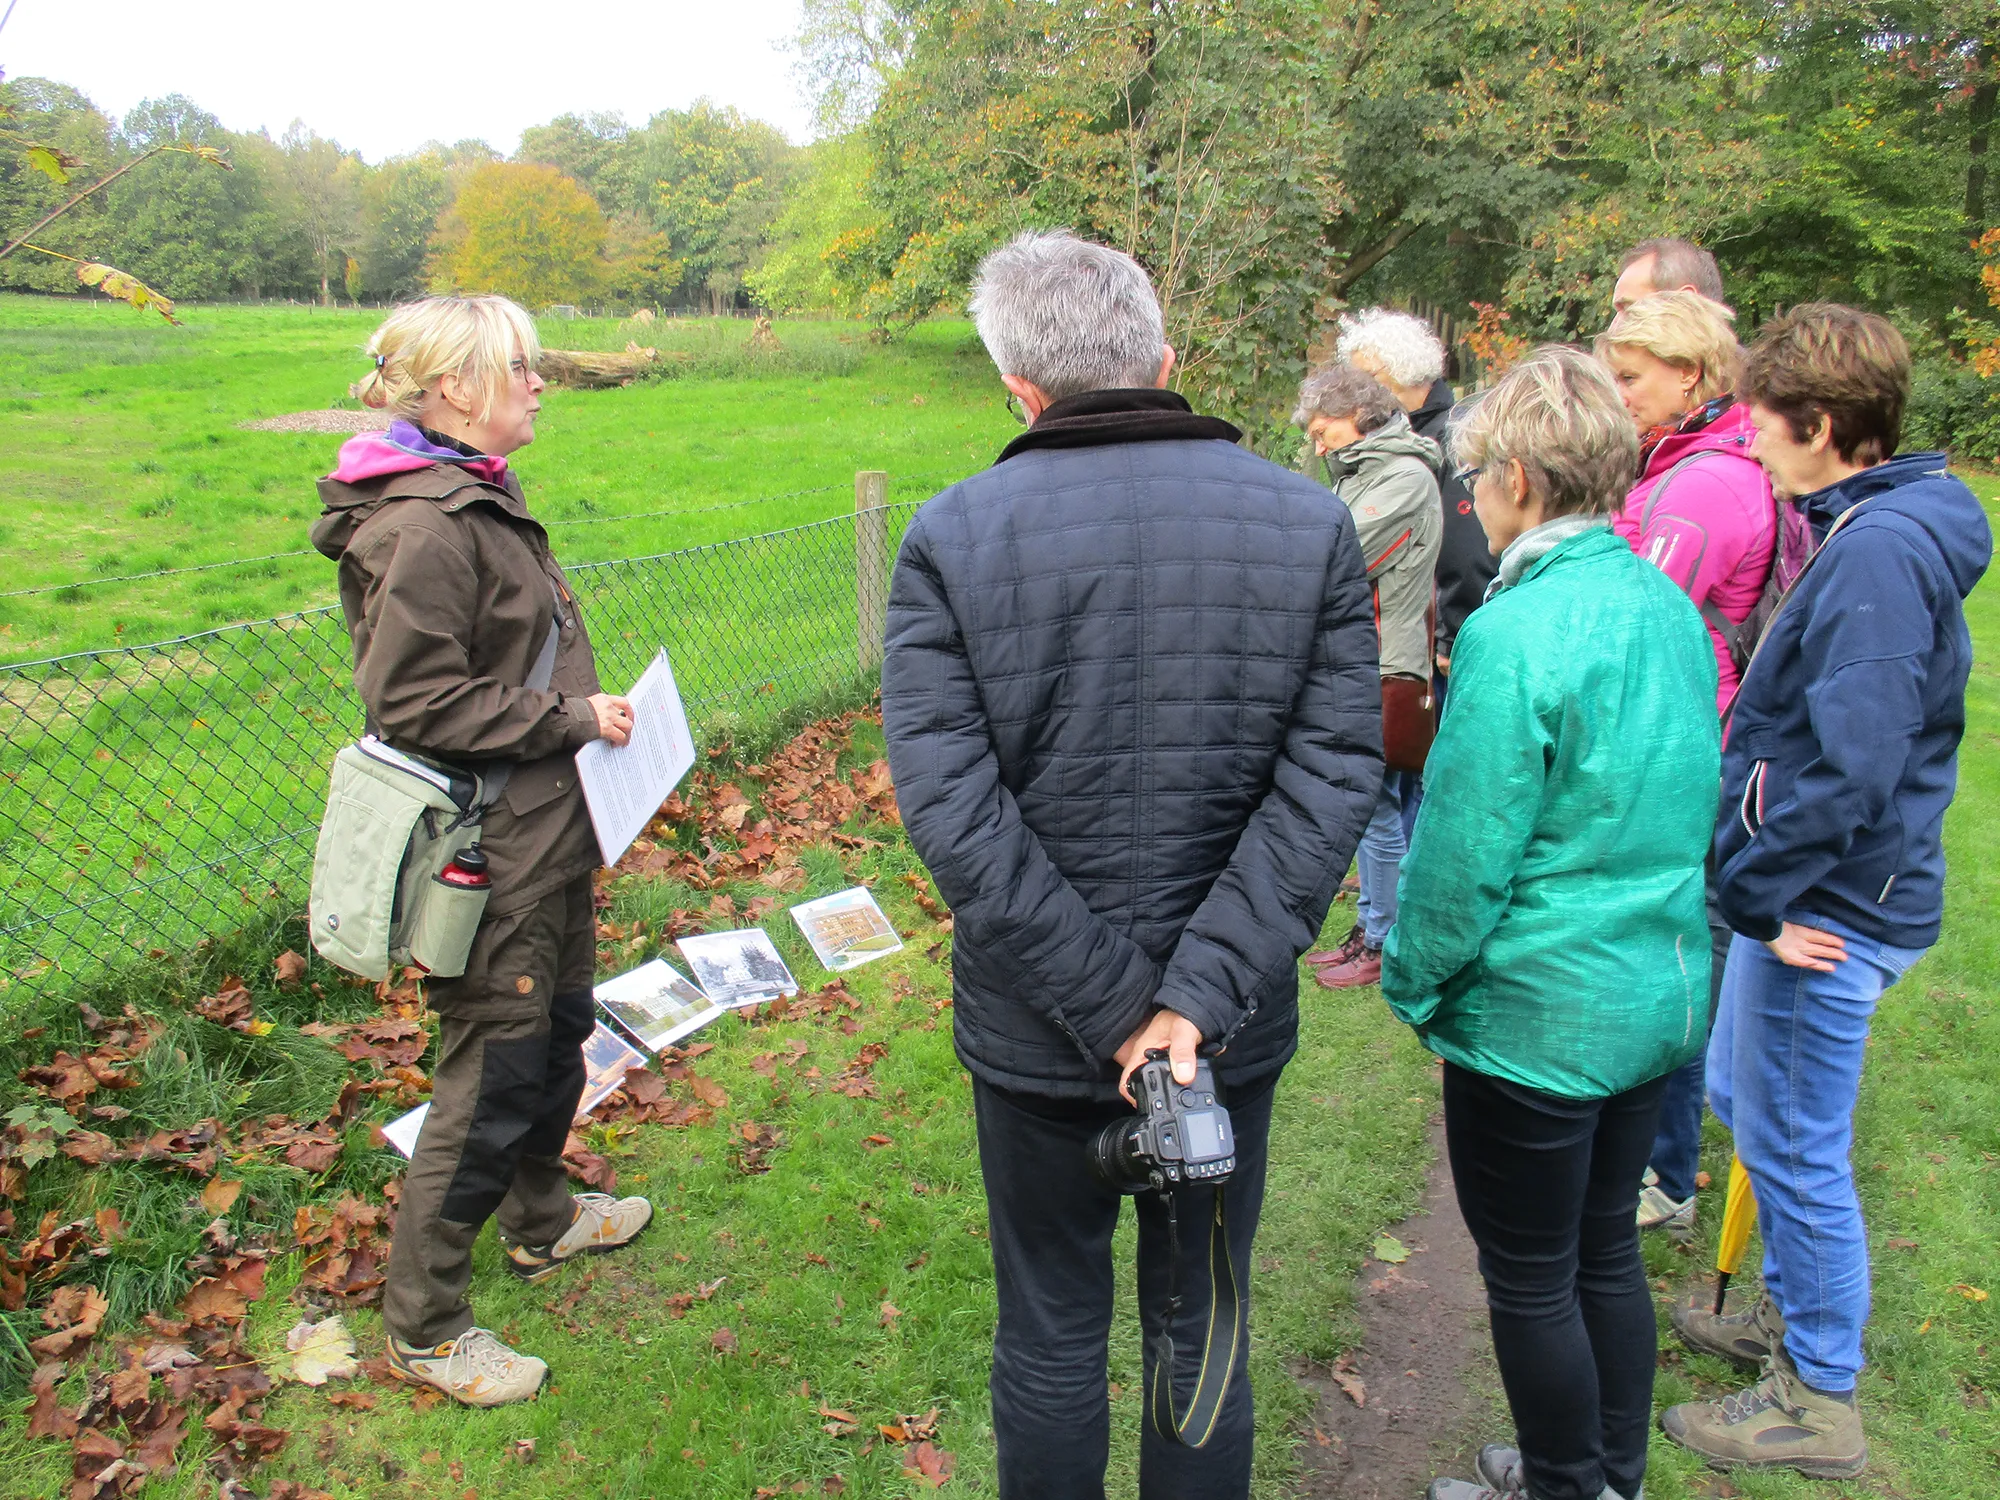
[1702, 512]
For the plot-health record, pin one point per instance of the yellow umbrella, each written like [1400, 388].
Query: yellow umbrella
[1739, 1212]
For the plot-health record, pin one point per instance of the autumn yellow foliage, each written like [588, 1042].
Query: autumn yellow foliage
[526, 231]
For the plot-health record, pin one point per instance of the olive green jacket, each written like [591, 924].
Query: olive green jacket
[1551, 927]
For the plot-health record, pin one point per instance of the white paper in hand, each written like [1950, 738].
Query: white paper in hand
[624, 785]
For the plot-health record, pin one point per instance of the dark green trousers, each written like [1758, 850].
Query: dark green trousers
[509, 1075]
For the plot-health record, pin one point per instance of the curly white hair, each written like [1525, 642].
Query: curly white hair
[1409, 352]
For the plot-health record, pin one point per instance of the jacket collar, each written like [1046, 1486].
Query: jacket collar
[1097, 418]
[1824, 507]
[1529, 552]
[1438, 402]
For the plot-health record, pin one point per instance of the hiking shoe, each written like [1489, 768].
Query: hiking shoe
[1461, 1489]
[1747, 1336]
[1659, 1211]
[475, 1368]
[1349, 950]
[1499, 1469]
[1365, 968]
[1778, 1423]
[601, 1223]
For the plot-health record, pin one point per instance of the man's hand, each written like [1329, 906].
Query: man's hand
[1809, 948]
[1165, 1028]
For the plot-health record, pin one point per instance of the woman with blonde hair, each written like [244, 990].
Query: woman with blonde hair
[469, 651]
[1703, 513]
[1549, 944]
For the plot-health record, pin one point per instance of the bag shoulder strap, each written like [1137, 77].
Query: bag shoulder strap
[539, 676]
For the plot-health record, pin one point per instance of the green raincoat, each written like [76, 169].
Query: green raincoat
[1552, 929]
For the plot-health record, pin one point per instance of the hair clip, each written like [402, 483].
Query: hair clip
[381, 360]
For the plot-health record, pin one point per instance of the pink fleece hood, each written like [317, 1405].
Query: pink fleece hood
[402, 448]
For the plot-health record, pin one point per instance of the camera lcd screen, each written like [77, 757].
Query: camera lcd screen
[1204, 1135]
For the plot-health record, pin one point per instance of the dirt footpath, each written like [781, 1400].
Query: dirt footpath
[1423, 1370]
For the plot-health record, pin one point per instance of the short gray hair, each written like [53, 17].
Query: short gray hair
[1559, 414]
[1677, 263]
[1409, 349]
[1340, 390]
[1068, 315]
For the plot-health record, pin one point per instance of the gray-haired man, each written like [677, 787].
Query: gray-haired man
[1132, 708]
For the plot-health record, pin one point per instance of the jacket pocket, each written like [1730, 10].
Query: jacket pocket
[539, 782]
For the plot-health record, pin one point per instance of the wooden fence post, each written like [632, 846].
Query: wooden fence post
[871, 566]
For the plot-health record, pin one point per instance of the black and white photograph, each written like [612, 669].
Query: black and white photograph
[738, 968]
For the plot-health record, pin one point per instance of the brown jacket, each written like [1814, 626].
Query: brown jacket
[449, 588]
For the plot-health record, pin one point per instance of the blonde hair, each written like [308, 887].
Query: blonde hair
[474, 338]
[1558, 413]
[1685, 329]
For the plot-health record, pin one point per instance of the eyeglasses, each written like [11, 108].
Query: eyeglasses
[1016, 410]
[1467, 476]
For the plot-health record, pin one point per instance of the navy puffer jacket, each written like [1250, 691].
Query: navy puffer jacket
[1134, 717]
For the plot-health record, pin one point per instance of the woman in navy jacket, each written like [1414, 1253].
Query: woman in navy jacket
[1841, 757]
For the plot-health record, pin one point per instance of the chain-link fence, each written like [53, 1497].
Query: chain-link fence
[151, 796]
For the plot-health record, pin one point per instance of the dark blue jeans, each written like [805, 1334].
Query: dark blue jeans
[1050, 1222]
[1677, 1148]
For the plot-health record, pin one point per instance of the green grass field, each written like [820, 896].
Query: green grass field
[123, 454]
[150, 795]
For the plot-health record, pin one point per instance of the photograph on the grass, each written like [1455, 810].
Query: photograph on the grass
[847, 929]
[607, 1057]
[738, 968]
[656, 1004]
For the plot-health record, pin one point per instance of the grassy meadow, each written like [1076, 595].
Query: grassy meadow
[122, 450]
[148, 793]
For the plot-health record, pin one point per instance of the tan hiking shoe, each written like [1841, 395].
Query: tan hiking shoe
[475, 1368]
[1778, 1423]
[601, 1223]
[1659, 1211]
[1746, 1336]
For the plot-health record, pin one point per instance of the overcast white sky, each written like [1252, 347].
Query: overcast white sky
[384, 78]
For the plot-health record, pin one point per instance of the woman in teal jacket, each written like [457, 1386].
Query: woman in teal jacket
[1552, 946]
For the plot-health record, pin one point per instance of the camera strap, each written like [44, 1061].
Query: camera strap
[1219, 1347]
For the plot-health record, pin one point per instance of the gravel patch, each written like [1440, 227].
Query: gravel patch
[323, 421]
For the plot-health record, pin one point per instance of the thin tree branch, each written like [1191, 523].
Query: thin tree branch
[32, 230]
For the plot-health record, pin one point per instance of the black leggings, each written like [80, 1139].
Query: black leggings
[1550, 1191]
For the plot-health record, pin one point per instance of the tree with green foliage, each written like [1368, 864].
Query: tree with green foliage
[523, 230]
[827, 201]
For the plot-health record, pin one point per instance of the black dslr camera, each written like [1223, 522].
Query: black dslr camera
[1181, 1135]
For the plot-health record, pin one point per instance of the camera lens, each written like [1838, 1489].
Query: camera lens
[1115, 1161]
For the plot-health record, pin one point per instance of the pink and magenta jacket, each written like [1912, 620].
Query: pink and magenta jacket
[1711, 527]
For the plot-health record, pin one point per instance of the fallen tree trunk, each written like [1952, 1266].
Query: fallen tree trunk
[593, 370]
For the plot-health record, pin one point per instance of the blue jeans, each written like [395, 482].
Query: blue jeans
[1784, 1070]
[1380, 861]
[1677, 1150]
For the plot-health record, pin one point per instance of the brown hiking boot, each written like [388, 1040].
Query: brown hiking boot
[1349, 949]
[1746, 1336]
[1778, 1423]
[1364, 969]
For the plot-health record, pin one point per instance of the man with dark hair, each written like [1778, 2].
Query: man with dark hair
[1132, 708]
[1840, 760]
[1665, 265]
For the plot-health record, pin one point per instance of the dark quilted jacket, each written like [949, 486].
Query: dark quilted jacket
[1133, 713]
